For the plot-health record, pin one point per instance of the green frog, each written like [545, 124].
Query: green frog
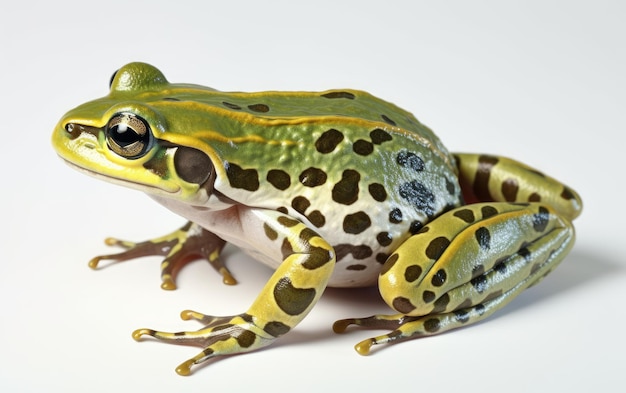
[334, 188]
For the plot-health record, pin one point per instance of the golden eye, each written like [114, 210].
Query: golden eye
[128, 135]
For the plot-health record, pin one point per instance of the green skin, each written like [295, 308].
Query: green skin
[334, 188]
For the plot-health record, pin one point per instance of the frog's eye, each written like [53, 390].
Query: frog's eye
[112, 77]
[128, 135]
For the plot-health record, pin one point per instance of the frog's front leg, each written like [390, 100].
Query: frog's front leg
[179, 247]
[465, 265]
[293, 289]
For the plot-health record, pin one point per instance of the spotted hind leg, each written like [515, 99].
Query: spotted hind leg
[464, 266]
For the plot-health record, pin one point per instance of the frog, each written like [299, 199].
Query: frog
[336, 188]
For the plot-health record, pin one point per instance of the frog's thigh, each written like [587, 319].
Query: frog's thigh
[470, 262]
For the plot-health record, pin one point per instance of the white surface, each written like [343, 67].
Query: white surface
[542, 81]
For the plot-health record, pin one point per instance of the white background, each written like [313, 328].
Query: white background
[541, 81]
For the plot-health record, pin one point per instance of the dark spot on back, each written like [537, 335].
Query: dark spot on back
[313, 177]
[377, 191]
[419, 196]
[279, 179]
[379, 136]
[356, 223]
[231, 106]
[363, 147]
[465, 214]
[395, 216]
[410, 160]
[260, 108]
[328, 141]
[247, 179]
[339, 94]
[346, 191]
[436, 247]
[388, 120]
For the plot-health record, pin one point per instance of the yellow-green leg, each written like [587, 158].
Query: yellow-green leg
[473, 260]
[288, 296]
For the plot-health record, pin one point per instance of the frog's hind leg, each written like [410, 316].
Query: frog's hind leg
[487, 178]
[464, 266]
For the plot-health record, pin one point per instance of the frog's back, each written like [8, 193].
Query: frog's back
[360, 171]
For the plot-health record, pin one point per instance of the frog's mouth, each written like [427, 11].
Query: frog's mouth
[145, 187]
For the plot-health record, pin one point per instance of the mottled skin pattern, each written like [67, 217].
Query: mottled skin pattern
[334, 188]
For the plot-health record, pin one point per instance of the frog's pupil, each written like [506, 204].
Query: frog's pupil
[123, 136]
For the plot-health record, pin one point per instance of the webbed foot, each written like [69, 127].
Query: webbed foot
[179, 247]
[220, 336]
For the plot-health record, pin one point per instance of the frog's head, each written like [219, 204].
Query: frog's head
[123, 137]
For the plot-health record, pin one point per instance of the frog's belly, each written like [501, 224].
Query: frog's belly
[344, 275]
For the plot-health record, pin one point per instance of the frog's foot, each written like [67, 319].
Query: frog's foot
[405, 327]
[462, 267]
[179, 247]
[220, 336]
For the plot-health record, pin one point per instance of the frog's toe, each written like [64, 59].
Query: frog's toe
[179, 247]
[220, 336]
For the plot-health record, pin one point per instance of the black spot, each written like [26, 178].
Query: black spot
[412, 273]
[328, 141]
[534, 197]
[436, 247]
[379, 136]
[300, 204]
[419, 196]
[313, 177]
[524, 252]
[415, 227]
[483, 237]
[488, 211]
[279, 179]
[381, 257]
[481, 180]
[410, 160]
[541, 219]
[388, 120]
[246, 338]
[479, 283]
[317, 218]
[384, 239]
[357, 267]
[402, 305]
[346, 191]
[363, 147]
[247, 179]
[568, 194]
[292, 300]
[428, 296]
[439, 278]
[450, 187]
[357, 252]
[501, 266]
[432, 325]
[465, 214]
[395, 216]
[339, 94]
[317, 256]
[261, 108]
[378, 192]
[192, 165]
[231, 106]
[389, 263]
[462, 316]
[509, 190]
[173, 99]
[441, 303]
[276, 328]
[356, 223]
[270, 232]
